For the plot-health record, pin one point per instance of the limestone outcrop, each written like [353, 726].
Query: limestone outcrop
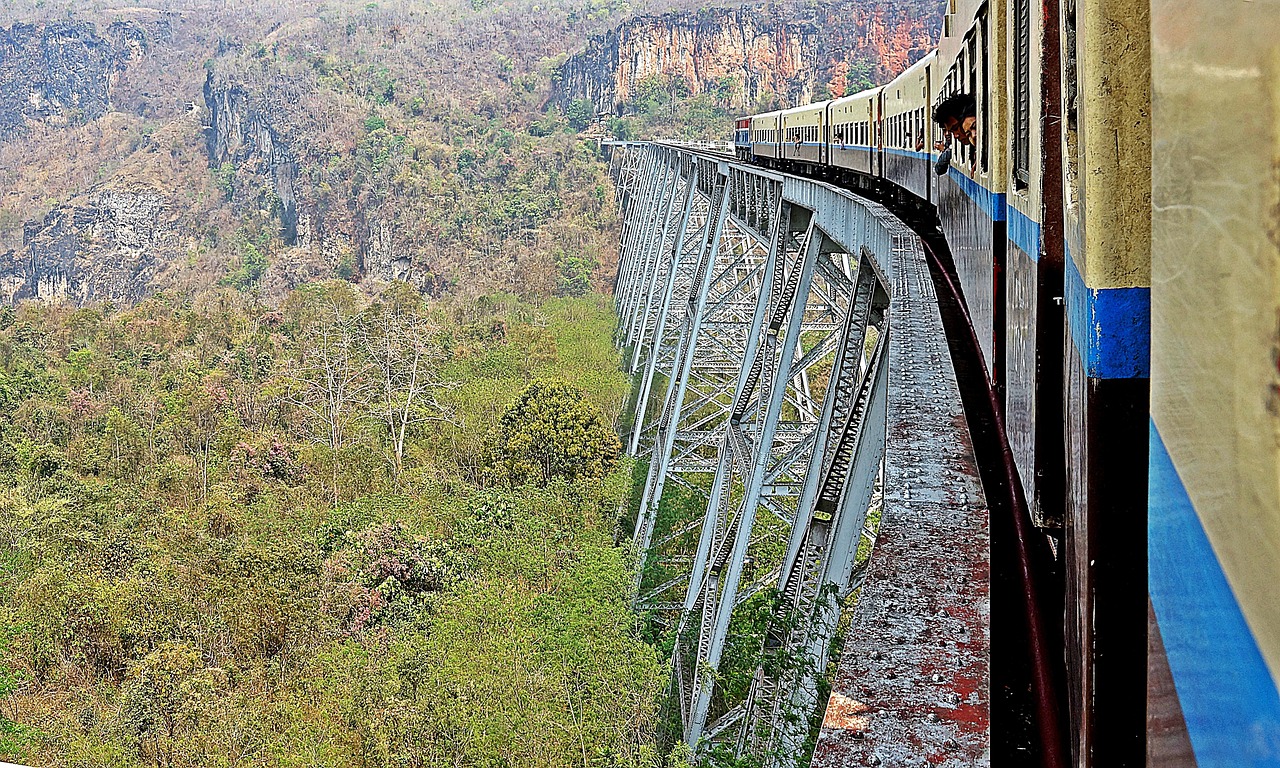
[62, 73]
[787, 53]
[107, 249]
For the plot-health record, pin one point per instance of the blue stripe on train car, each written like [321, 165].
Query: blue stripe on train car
[909, 153]
[1024, 232]
[1111, 327]
[991, 203]
[1227, 695]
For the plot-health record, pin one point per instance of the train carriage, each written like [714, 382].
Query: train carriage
[742, 138]
[853, 138]
[971, 199]
[766, 135]
[1214, 453]
[909, 134]
[803, 132]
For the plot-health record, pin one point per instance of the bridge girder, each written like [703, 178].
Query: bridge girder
[739, 300]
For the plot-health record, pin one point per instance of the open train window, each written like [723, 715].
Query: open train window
[1070, 110]
[971, 71]
[984, 133]
[1021, 93]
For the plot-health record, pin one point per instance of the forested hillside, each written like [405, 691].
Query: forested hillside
[342, 532]
[309, 407]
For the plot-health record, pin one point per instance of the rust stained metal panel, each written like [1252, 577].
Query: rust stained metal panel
[913, 683]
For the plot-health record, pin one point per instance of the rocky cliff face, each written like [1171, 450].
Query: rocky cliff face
[107, 249]
[745, 51]
[244, 131]
[62, 73]
[252, 126]
[794, 52]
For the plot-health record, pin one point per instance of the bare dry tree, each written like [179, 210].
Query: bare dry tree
[330, 383]
[404, 355]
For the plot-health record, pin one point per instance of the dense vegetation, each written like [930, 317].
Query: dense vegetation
[328, 533]
[287, 511]
[267, 517]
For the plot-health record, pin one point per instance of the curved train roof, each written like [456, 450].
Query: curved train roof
[805, 108]
[870, 93]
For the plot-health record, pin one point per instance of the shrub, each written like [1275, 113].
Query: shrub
[552, 431]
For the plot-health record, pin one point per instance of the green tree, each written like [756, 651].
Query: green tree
[552, 431]
[575, 274]
[224, 176]
[622, 129]
[253, 263]
[165, 691]
[579, 113]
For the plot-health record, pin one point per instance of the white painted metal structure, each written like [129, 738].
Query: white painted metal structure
[755, 309]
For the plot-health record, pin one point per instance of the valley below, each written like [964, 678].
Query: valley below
[309, 399]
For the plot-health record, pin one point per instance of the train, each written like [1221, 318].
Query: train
[1115, 233]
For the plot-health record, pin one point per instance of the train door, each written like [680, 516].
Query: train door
[824, 135]
[876, 107]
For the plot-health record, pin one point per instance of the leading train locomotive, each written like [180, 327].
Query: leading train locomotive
[1115, 232]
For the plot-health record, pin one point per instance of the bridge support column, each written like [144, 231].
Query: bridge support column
[769, 316]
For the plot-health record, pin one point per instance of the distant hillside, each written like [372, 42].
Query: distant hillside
[265, 145]
[785, 53]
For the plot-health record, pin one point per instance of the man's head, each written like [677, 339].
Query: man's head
[957, 114]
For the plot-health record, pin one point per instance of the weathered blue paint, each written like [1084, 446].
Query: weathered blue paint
[991, 203]
[1111, 327]
[1024, 232]
[1228, 698]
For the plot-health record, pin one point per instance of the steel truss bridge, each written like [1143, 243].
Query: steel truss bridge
[795, 388]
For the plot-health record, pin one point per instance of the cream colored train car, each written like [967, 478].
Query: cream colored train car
[854, 138]
[766, 135]
[909, 131]
[1213, 517]
[804, 134]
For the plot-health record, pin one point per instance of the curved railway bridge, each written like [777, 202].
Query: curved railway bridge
[798, 406]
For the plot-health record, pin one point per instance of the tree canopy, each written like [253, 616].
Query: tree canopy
[552, 431]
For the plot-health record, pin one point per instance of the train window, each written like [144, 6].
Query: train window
[1070, 93]
[984, 132]
[971, 70]
[1021, 93]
